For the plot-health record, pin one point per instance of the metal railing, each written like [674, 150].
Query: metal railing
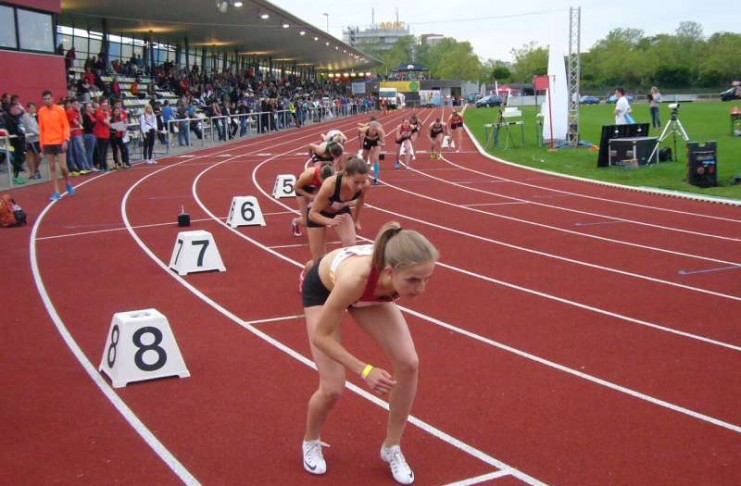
[207, 131]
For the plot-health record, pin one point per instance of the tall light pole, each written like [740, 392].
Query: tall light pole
[327, 15]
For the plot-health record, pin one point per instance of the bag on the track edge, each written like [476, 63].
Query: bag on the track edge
[11, 213]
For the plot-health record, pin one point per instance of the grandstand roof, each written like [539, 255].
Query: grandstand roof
[205, 25]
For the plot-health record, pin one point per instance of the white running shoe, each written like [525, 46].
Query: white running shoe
[313, 459]
[401, 471]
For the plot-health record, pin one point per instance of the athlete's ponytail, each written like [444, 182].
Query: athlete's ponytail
[401, 248]
[326, 171]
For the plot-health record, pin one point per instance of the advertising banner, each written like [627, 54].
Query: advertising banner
[429, 97]
[402, 86]
[358, 88]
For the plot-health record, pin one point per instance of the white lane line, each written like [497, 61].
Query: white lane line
[493, 204]
[480, 479]
[646, 190]
[579, 374]
[558, 257]
[413, 420]
[569, 210]
[274, 319]
[121, 228]
[301, 245]
[568, 301]
[164, 454]
[516, 351]
[597, 223]
[709, 270]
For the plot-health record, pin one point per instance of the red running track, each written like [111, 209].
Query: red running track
[573, 333]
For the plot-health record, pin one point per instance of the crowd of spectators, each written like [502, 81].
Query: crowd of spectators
[237, 103]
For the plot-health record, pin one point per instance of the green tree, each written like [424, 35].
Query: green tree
[721, 62]
[450, 59]
[530, 60]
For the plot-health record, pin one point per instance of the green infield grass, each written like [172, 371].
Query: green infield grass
[703, 122]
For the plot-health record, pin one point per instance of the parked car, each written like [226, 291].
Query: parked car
[490, 100]
[589, 100]
[731, 94]
[473, 97]
[613, 99]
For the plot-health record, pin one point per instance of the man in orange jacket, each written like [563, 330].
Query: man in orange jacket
[54, 134]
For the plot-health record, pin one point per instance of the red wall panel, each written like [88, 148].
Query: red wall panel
[54, 6]
[31, 74]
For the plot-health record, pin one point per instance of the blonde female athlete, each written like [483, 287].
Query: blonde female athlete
[366, 280]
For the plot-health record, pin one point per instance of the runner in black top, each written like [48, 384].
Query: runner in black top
[331, 207]
[373, 140]
[307, 184]
[456, 129]
[437, 131]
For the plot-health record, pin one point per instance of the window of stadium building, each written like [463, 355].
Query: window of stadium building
[7, 27]
[35, 31]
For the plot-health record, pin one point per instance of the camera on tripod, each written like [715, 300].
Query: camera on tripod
[675, 110]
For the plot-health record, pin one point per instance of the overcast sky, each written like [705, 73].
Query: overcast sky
[495, 28]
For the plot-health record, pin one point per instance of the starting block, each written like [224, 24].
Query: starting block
[447, 142]
[245, 211]
[195, 251]
[141, 346]
[284, 186]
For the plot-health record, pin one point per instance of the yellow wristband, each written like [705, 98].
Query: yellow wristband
[366, 371]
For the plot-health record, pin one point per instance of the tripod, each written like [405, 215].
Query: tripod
[503, 123]
[673, 128]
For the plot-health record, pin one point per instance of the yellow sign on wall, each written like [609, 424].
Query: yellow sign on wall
[402, 86]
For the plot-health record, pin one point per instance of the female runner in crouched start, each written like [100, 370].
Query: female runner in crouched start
[366, 280]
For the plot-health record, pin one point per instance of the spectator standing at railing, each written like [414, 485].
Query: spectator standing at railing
[217, 120]
[119, 138]
[33, 147]
[183, 124]
[76, 161]
[195, 122]
[54, 135]
[264, 115]
[102, 131]
[244, 119]
[148, 125]
[88, 137]
[168, 114]
[12, 119]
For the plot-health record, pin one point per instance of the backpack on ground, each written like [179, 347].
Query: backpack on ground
[11, 213]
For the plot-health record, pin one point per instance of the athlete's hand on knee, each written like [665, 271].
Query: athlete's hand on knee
[357, 226]
[379, 380]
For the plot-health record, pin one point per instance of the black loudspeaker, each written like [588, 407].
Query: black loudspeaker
[702, 164]
[617, 131]
[665, 154]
